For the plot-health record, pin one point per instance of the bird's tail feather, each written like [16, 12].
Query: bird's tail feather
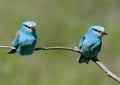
[12, 51]
[83, 59]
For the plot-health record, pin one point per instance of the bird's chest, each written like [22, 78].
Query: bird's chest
[26, 39]
[90, 48]
[91, 45]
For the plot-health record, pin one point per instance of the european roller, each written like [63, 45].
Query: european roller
[25, 39]
[90, 44]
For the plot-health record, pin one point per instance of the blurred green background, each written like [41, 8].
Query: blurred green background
[59, 23]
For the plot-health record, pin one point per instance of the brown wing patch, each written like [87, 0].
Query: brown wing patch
[17, 34]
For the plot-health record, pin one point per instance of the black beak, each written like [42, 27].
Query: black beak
[32, 28]
[104, 33]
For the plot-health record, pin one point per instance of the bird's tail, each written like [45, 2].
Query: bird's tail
[83, 59]
[12, 51]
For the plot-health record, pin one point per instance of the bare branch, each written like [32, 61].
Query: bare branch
[108, 72]
[75, 49]
[7, 47]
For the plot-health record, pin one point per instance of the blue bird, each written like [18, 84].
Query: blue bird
[25, 39]
[90, 44]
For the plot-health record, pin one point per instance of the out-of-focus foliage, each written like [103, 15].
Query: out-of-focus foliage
[59, 22]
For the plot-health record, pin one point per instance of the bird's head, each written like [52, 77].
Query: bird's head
[98, 30]
[29, 26]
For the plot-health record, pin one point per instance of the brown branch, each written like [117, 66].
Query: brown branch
[75, 49]
[108, 72]
[7, 47]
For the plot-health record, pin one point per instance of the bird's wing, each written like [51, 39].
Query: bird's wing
[15, 41]
[17, 34]
[81, 41]
[96, 45]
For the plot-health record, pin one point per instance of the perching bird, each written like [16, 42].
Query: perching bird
[90, 44]
[25, 39]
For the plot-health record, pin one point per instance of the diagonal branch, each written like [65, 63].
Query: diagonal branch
[75, 49]
[108, 72]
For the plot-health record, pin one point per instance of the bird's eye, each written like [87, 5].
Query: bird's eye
[27, 26]
[97, 30]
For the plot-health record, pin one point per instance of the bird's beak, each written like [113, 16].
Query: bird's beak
[32, 28]
[104, 33]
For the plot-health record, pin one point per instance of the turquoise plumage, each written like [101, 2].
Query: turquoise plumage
[25, 39]
[91, 43]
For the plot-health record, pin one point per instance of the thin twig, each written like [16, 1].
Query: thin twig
[7, 47]
[108, 72]
[75, 49]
